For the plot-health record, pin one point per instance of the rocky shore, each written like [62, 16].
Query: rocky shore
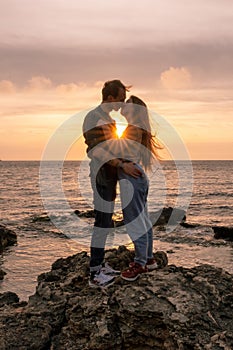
[7, 238]
[160, 217]
[167, 309]
[222, 232]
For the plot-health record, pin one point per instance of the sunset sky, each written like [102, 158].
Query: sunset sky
[56, 54]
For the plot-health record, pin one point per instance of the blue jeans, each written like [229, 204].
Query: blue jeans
[104, 194]
[134, 192]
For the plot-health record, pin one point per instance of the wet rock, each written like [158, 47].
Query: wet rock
[7, 237]
[188, 225]
[2, 274]
[117, 219]
[41, 218]
[167, 309]
[221, 232]
[169, 215]
[8, 298]
[85, 214]
[161, 259]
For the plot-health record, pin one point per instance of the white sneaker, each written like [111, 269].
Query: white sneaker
[101, 280]
[108, 270]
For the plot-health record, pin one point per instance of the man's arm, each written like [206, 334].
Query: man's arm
[105, 155]
[95, 138]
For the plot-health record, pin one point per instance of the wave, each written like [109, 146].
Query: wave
[220, 194]
[225, 207]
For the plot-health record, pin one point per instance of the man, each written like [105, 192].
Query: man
[97, 124]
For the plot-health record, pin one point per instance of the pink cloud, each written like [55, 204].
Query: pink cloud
[39, 83]
[176, 78]
[7, 87]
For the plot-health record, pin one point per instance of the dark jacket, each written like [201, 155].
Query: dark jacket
[94, 135]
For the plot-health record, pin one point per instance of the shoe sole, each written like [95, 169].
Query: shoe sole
[150, 267]
[112, 273]
[102, 287]
[130, 279]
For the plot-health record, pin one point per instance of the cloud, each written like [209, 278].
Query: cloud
[6, 87]
[176, 78]
[39, 83]
[42, 84]
[41, 95]
[139, 65]
[70, 88]
[76, 23]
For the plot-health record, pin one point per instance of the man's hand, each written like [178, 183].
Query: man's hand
[131, 169]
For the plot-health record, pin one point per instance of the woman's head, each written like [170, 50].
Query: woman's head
[136, 112]
[136, 100]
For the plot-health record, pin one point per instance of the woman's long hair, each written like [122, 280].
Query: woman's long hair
[150, 142]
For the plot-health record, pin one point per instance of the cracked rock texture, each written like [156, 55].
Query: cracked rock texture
[169, 308]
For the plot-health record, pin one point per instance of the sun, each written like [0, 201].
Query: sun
[121, 122]
[120, 128]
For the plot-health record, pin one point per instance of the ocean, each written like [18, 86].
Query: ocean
[28, 192]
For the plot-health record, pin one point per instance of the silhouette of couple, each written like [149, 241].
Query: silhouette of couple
[123, 159]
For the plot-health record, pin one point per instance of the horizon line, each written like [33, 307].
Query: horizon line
[81, 160]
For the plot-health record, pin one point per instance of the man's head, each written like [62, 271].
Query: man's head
[114, 91]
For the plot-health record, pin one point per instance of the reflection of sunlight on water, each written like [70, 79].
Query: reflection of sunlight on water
[192, 255]
[32, 256]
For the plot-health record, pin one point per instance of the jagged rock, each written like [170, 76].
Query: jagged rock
[2, 274]
[221, 232]
[173, 308]
[41, 218]
[171, 215]
[117, 219]
[7, 237]
[188, 225]
[85, 214]
[8, 298]
[161, 259]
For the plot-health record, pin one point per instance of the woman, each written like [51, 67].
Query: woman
[139, 146]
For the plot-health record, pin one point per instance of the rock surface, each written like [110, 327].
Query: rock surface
[2, 274]
[189, 225]
[168, 215]
[222, 232]
[7, 237]
[167, 309]
[8, 298]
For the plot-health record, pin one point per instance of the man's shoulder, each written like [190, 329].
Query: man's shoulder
[92, 118]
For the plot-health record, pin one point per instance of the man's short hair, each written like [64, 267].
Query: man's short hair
[111, 88]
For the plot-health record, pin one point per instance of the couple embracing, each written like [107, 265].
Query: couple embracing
[125, 159]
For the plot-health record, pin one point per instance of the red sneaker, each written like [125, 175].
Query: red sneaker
[133, 272]
[151, 264]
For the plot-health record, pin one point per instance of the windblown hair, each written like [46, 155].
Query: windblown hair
[150, 142]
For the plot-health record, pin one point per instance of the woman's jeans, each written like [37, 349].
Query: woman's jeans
[134, 192]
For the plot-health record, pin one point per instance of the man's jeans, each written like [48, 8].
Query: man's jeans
[134, 192]
[104, 194]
